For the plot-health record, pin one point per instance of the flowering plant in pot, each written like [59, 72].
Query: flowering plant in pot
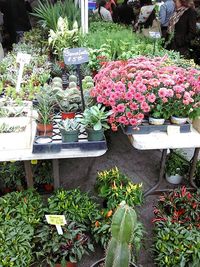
[95, 121]
[130, 89]
[69, 130]
[176, 167]
[61, 250]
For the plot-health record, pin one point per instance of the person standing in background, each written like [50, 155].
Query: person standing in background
[103, 13]
[125, 13]
[166, 11]
[182, 28]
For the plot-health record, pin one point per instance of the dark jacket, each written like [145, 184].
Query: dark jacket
[185, 31]
[125, 14]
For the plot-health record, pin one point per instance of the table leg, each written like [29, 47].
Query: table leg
[193, 167]
[56, 175]
[28, 172]
[161, 174]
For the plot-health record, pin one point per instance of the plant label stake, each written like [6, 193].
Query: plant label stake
[155, 36]
[22, 59]
[77, 56]
[57, 220]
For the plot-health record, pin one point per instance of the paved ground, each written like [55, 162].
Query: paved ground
[141, 166]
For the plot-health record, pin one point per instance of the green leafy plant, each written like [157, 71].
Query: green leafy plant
[15, 243]
[69, 125]
[176, 245]
[95, 117]
[52, 248]
[74, 204]
[43, 172]
[48, 14]
[176, 164]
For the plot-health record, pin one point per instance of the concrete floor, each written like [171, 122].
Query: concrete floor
[140, 166]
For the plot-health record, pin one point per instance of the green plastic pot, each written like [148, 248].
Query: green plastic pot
[95, 135]
[69, 136]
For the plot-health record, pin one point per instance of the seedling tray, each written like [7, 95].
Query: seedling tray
[55, 144]
[146, 128]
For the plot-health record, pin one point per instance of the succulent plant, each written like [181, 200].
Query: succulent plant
[73, 78]
[72, 85]
[122, 228]
[69, 125]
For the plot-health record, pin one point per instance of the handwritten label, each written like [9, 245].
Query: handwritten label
[155, 35]
[75, 56]
[56, 219]
[171, 130]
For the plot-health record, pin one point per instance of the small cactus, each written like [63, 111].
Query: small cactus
[122, 228]
[73, 78]
[57, 79]
[72, 85]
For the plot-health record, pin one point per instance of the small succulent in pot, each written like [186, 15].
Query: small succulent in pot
[69, 130]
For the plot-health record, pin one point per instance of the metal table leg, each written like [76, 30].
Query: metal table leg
[28, 172]
[56, 175]
[193, 167]
[161, 175]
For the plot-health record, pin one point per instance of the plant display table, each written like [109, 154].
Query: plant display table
[164, 141]
[26, 155]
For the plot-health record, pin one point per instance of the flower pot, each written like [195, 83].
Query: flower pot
[48, 187]
[178, 121]
[196, 124]
[95, 135]
[174, 179]
[156, 121]
[69, 136]
[94, 72]
[45, 130]
[99, 262]
[68, 115]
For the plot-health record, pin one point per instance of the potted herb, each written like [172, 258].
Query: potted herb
[45, 107]
[95, 121]
[61, 250]
[176, 167]
[69, 130]
[119, 249]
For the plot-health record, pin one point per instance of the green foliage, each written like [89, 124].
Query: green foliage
[43, 172]
[12, 174]
[114, 187]
[53, 248]
[176, 245]
[122, 228]
[176, 164]
[95, 117]
[23, 206]
[74, 204]
[48, 13]
[15, 243]
[69, 125]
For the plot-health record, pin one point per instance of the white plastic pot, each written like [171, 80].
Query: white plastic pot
[178, 121]
[155, 121]
[174, 179]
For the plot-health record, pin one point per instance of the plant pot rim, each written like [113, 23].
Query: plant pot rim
[103, 259]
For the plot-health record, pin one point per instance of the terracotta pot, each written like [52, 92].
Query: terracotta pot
[7, 190]
[45, 130]
[68, 264]
[68, 115]
[48, 187]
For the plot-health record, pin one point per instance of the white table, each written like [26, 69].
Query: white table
[26, 155]
[161, 140]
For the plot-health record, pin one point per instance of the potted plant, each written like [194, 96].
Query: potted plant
[43, 175]
[69, 130]
[61, 250]
[45, 107]
[69, 101]
[119, 249]
[176, 167]
[95, 121]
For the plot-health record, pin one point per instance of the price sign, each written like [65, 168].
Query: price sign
[22, 59]
[75, 56]
[57, 220]
[155, 35]
[172, 129]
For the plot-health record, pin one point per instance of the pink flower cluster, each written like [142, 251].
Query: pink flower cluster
[132, 88]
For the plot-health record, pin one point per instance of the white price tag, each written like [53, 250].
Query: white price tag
[171, 130]
[155, 35]
[23, 58]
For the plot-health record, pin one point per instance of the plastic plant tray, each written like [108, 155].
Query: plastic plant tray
[146, 128]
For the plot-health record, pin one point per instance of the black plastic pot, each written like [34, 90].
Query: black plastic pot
[96, 264]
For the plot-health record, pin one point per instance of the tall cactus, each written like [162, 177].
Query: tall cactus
[122, 228]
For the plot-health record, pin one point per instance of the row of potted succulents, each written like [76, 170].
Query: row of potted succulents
[40, 242]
